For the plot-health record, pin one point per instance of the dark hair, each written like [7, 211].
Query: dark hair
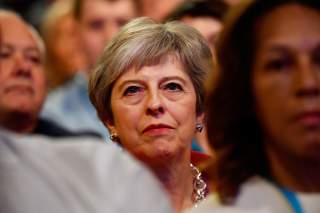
[77, 4]
[233, 129]
[199, 8]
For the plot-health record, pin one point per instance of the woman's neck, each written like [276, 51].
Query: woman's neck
[177, 178]
[294, 173]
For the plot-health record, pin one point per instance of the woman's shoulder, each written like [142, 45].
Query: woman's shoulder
[212, 204]
[256, 195]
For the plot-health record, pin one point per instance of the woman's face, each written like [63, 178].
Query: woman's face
[154, 111]
[286, 80]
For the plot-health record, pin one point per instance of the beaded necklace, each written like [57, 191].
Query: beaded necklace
[199, 186]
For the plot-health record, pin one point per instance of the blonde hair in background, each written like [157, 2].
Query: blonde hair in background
[144, 42]
[55, 12]
[64, 55]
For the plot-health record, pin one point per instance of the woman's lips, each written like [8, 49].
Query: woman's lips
[157, 129]
[309, 119]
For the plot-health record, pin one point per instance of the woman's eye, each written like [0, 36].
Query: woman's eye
[278, 64]
[316, 57]
[173, 87]
[132, 90]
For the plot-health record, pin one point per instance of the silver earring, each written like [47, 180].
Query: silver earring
[114, 137]
[199, 127]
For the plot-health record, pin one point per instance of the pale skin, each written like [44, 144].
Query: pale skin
[154, 115]
[158, 10]
[99, 21]
[207, 26]
[287, 74]
[22, 81]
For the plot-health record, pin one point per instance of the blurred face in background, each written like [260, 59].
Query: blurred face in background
[286, 81]
[207, 26]
[63, 47]
[232, 2]
[158, 9]
[99, 21]
[22, 82]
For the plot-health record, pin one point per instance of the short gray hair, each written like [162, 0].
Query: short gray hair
[144, 42]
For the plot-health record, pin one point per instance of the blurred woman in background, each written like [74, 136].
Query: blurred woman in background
[64, 57]
[264, 109]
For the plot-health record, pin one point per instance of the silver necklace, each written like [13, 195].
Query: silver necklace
[199, 186]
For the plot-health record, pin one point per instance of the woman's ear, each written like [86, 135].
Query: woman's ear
[108, 122]
[201, 136]
[200, 118]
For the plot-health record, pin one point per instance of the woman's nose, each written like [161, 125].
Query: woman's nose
[308, 79]
[154, 105]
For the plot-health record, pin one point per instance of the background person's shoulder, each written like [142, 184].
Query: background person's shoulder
[38, 175]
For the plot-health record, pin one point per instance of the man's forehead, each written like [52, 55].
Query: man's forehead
[14, 25]
[10, 23]
[7, 16]
[15, 32]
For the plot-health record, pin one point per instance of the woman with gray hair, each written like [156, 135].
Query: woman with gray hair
[148, 90]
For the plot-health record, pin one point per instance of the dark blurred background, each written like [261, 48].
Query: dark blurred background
[31, 10]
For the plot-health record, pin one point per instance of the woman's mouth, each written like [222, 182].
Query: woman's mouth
[157, 129]
[309, 119]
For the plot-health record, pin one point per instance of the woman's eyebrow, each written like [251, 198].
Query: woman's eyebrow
[131, 81]
[169, 78]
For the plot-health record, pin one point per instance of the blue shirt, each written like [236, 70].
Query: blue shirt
[70, 107]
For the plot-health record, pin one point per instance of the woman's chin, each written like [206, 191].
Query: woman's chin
[159, 154]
